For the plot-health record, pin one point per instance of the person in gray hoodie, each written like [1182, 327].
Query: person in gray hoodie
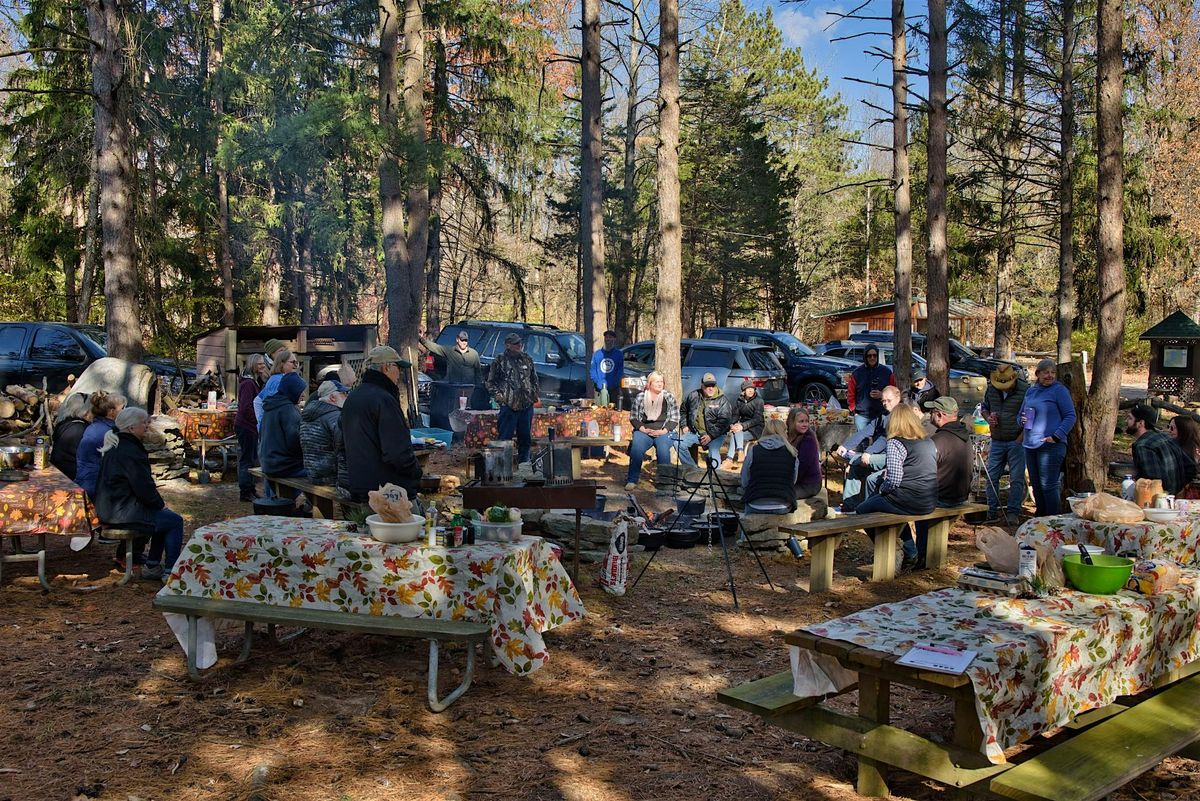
[321, 435]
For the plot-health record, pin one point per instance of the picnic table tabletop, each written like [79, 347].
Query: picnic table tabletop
[1040, 662]
[1178, 541]
[48, 503]
[195, 424]
[520, 589]
[481, 427]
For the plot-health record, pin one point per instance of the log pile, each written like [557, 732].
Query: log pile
[165, 444]
[23, 409]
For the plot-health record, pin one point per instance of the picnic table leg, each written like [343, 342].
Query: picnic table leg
[575, 556]
[937, 544]
[820, 576]
[883, 567]
[193, 671]
[440, 706]
[873, 705]
[247, 641]
[128, 562]
[41, 562]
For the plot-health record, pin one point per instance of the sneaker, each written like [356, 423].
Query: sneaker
[908, 563]
[152, 572]
[248, 497]
[630, 487]
[996, 519]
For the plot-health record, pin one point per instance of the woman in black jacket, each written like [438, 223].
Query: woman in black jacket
[279, 449]
[126, 496]
[67, 433]
[747, 421]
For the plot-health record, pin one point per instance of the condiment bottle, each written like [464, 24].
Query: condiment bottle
[431, 524]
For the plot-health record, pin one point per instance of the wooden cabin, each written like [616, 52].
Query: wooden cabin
[225, 350]
[970, 322]
[1174, 356]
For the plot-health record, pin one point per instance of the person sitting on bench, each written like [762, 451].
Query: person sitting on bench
[809, 478]
[909, 485]
[952, 443]
[865, 452]
[127, 498]
[769, 474]
[321, 435]
[279, 450]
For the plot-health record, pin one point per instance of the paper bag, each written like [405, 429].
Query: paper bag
[999, 547]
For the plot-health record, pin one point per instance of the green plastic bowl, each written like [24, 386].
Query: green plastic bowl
[1107, 575]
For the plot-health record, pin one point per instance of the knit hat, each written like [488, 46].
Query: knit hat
[382, 354]
[327, 388]
[918, 374]
[1004, 377]
[1147, 414]
[292, 386]
[747, 384]
[273, 345]
[709, 380]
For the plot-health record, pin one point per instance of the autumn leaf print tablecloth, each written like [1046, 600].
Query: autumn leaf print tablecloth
[1040, 662]
[520, 588]
[1178, 541]
[48, 503]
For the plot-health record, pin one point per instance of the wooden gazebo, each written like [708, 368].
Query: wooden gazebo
[1175, 357]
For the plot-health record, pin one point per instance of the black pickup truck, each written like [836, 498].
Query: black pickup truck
[30, 350]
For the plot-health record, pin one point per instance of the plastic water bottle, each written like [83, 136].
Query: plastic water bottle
[1128, 488]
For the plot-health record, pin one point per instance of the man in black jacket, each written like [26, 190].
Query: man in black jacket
[704, 420]
[374, 432]
[464, 376]
[952, 441]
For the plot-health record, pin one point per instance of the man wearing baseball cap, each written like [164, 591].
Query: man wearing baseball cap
[375, 432]
[464, 376]
[952, 441]
[321, 435]
[513, 382]
[1155, 454]
[704, 419]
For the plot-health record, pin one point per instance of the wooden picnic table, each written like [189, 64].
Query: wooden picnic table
[48, 503]
[195, 424]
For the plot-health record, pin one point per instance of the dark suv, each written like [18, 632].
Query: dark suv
[30, 350]
[811, 377]
[561, 357]
[961, 357]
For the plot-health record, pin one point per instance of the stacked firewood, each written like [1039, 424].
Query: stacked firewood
[23, 408]
[165, 444]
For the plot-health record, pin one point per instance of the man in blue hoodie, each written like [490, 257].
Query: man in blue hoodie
[608, 367]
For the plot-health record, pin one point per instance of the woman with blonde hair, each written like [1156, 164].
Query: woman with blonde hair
[285, 362]
[1186, 431]
[105, 408]
[809, 478]
[909, 485]
[655, 415]
[769, 474]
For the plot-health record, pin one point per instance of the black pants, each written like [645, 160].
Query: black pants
[443, 399]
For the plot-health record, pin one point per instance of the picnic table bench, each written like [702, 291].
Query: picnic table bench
[1100, 751]
[325, 499]
[824, 535]
[433, 629]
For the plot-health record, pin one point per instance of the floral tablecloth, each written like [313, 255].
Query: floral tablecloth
[197, 424]
[1040, 662]
[48, 503]
[1178, 542]
[519, 588]
[481, 427]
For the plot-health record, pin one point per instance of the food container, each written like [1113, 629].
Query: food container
[396, 532]
[1162, 515]
[652, 538]
[682, 538]
[496, 532]
[1107, 575]
[14, 457]
[707, 533]
[431, 483]
[1068, 549]
[498, 462]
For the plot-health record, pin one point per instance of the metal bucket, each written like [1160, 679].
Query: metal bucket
[557, 463]
[498, 462]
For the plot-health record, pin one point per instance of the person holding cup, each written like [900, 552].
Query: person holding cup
[1047, 416]
[1001, 405]
[864, 390]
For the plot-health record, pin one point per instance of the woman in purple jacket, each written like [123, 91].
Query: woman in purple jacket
[809, 478]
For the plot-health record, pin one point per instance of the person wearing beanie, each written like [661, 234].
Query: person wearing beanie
[1047, 416]
[921, 391]
[1002, 401]
[271, 349]
[127, 497]
[321, 435]
[747, 421]
[279, 450]
[1156, 455]
[705, 419]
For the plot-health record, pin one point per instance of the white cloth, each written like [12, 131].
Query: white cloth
[815, 675]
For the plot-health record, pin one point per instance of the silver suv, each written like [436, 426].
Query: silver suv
[731, 363]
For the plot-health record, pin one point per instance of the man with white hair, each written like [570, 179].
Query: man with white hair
[321, 435]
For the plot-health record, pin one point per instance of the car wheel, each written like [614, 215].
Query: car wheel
[814, 392]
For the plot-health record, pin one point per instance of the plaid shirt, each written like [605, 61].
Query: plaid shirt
[1156, 455]
[637, 416]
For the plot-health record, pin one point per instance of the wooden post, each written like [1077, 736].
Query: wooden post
[937, 544]
[231, 363]
[883, 567]
[873, 705]
[820, 576]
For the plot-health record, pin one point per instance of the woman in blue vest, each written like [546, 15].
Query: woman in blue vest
[864, 391]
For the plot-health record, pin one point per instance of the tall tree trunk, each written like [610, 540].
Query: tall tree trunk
[306, 300]
[272, 279]
[902, 188]
[441, 137]
[625, 265]
[1009, 186]
[937, 292]
[87, 282]
[591, 188]
[224, 256]
[114, 159]
[1100, 411]
[670, 230]
[1066, 188]
[391, 199]
[74, 209]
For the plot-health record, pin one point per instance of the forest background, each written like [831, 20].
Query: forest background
[256, 190]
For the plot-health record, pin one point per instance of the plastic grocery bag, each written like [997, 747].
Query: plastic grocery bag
[1105, 508]
[615, 571]
[999, 547]
[1152, 576]
[1049, 567]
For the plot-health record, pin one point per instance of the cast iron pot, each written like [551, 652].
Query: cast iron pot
[652, 538]
[683, 538]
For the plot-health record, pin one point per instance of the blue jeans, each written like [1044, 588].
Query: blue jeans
[640, 446]
[857, 485]
[247, 458]
[685, 441]
[861, 421]
[740, 440]
[881, 503]
[1004, 456]
[519, 423]
[168, 533]
[1045, 465]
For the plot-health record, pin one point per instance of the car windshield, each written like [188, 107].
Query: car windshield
[573, 345]
[761, 359]
[97, 335]
[795, 346]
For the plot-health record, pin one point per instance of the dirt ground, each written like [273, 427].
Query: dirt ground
[95, 701]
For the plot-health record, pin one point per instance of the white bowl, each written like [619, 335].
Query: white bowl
[396, 532]
[1161, 515]
[1093, 550]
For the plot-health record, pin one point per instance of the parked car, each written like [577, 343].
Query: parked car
[811, 377]
[961, 357]
[966, 388]
[561, 357]
[730, 362]
[31, 350]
